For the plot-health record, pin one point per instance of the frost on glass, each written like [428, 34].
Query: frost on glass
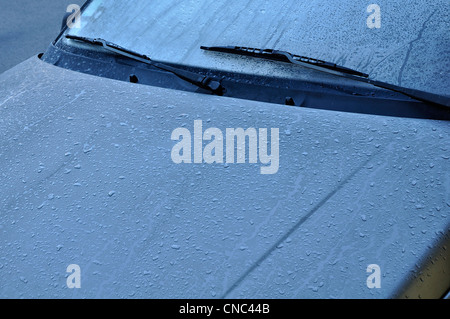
[409, 49]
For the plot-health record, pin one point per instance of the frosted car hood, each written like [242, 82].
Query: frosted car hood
[87, 179]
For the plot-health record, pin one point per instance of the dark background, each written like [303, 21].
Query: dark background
[27, 27]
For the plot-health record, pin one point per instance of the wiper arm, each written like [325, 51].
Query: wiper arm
[284, 56]
[276, 55]
[205, 82]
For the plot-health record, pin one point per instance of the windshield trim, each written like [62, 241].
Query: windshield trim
[65, 28]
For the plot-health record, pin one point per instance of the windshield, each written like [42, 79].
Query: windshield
[410, 48]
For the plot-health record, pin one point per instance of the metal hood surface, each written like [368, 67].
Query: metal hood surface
[87, 178]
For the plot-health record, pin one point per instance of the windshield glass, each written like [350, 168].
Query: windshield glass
[410, 48]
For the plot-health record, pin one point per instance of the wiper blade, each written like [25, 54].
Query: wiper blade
[205, 82]
[276, 55]
[284, 56]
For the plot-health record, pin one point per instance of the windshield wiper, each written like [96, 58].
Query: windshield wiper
[283, 56]
[205, 82]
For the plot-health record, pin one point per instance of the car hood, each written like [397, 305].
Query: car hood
[87, 178]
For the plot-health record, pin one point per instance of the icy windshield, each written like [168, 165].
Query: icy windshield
[401, 42]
